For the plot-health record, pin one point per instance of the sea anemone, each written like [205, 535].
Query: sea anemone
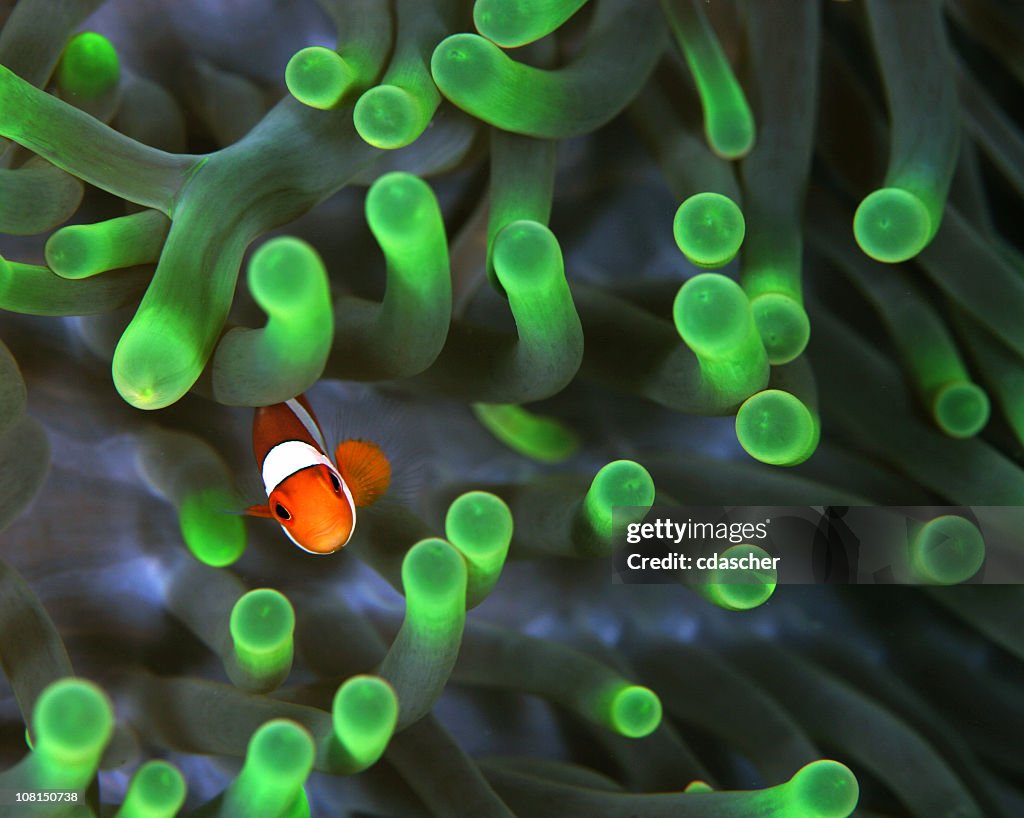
[569, 262]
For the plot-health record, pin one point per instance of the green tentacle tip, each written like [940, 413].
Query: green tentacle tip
[212, 533]
[776, 427]
[157, 790]
[398, 206]
[502, 23]
[72, 251]
[730, 129]
[511, 25]
[824, 789]
[285, 274]
[72, 722]
[732, 139]
[709, 229]
[712, 315]
[262, 625]
[479, 524]
[635, 712]
[280, 753]
[526, 254]
[89, 66]
[892, 225]
[947, 550]
[783, 325]
[389, 117]
[744, 587]
[540, 438]
[464, 65]
[621, 483]
[318, 77]
[961, 409]
[433, 571]
[156, 361]
[698, 786]
[365, 712]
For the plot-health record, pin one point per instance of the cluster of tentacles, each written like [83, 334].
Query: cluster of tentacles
[559, 257]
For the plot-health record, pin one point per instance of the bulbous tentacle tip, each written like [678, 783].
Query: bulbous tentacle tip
[539, 437]
[318, 77]
[285, 274]
[459, 63]
[783, 325]
[262, 622]
[389, 117]
[149, 372]
[479, 523]
[399, 206]
[961, 409]
[526, 254]
[72, 722]
[365, 706]
[730, 132]
[825, 789]
[433, 569]
[282, 751]
[709, 229]
[364, 716]
[635, 711]
[89, 66]
[892, 225]
[511, 25]
[212, 535]
[156, 790]
[947, 550]
[742, 588]
[776, 427]
[712, 314]
[69, 252]
[622, 483]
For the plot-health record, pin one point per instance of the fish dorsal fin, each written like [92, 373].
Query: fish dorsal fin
[365, 469]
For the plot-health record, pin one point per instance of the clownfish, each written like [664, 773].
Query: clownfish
[313, 499]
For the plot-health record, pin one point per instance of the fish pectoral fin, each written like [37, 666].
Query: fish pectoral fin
[365, 469]
[258, 511]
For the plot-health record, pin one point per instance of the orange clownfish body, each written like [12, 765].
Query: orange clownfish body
[313, 499]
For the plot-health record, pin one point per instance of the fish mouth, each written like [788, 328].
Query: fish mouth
[327, 541]
[324, 541]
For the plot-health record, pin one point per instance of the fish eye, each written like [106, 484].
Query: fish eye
[282, 512]
[335, 481]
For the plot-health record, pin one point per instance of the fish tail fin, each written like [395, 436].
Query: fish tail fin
[366, 470]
